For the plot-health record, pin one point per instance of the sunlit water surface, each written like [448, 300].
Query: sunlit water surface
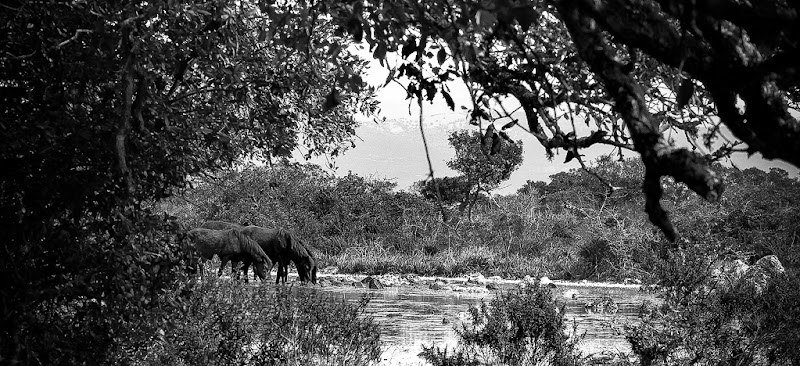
[412, 317]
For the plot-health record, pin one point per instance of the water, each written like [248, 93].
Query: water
[413, 316]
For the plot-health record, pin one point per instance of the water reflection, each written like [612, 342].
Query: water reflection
[412, 317]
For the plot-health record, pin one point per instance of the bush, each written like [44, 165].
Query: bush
[704, 322]
[229, 323]
[519, 327]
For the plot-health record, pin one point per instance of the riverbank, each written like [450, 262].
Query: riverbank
[475, 283]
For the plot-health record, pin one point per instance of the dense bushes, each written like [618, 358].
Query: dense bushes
[704, 320]
[227, 323]
[570, 228]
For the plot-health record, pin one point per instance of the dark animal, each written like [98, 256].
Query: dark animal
[282, 247]
[229, 243]
[234, 259]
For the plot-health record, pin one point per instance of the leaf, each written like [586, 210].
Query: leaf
[533, 123]
[497, 143]
[449, 100]
[355, 28]
[570, 156]
[334, 49]
[509, 125]
[441, 56]
[332, 100]
[409, 48]
[485, 19]
[487, 136]
[390, 76]
[685, 92]
[380, 52]
[526, 16]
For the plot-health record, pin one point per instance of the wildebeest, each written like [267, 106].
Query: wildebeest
[282, 247]
[229, 243]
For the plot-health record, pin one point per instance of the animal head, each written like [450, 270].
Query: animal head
[260, 267]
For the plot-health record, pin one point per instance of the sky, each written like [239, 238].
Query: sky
[393, 149]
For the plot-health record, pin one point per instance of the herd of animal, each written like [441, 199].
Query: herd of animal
[254, 245]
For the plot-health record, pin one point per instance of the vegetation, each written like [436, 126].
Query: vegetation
[109, 108]
[228, 323]
[518, 327]
[568, 228]
[482, 166]
[631, 71]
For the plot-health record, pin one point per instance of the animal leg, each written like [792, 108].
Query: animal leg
[224, 259]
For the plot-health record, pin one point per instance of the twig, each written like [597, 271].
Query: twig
[74, 37]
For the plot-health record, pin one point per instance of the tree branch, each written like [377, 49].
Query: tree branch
[659, 157]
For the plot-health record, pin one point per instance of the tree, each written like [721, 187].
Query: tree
[481, 163]
[451, 189]
[110, 106]
[629, 70]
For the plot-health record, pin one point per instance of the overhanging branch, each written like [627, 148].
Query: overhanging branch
[659, 157]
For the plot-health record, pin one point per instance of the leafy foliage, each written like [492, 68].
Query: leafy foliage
[629, 71]
[108, 107]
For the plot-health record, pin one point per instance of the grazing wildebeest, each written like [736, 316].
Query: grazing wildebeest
[229, 243]
[282, 247]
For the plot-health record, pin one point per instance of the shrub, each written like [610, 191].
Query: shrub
[518, 327]
[702, 322]
[228, 323]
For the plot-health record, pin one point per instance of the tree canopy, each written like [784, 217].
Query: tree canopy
[110, 106]
[632, 71]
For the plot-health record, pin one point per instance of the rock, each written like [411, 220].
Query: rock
[570, 294]
[476, 278]
[492, 286]
[372, 283]
[391, 280]
[771, 265]
[632, 281]
[324, 282]
[412, 278]
[329, 270]
[546, 282]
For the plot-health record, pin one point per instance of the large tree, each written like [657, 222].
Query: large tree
[631, 70]
[108, 106]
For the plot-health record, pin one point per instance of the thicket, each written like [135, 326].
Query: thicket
[569, 228]
[230, 323]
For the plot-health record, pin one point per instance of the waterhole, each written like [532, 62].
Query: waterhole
[413, 316]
